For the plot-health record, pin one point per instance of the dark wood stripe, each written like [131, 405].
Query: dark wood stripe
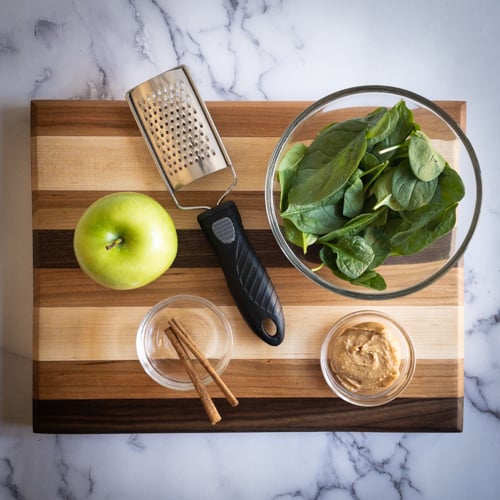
[87, 118]
[276, 415]
[53, 248]
[113, 118]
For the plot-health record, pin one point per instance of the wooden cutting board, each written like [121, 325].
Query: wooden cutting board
[86, 374]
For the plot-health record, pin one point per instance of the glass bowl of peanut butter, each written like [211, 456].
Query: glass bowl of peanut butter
[367, 358]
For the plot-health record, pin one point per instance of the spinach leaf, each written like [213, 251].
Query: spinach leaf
[346, 142]
[373, 174]
[354, 226]
[369, 279]
[354, 197]
[409, 191]
[316, 219]
[382, 189]
[422, 227]
[450, 188]
[299, 238]
[380, 242]
[402, 117]
[329, 259]
[354, 255]
[369, 161]
[381, 124]
[287, 169]
[426, 163]
[332, 140]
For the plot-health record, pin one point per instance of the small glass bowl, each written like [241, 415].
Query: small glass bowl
[209, 329]
[422, 268]
[402, 342]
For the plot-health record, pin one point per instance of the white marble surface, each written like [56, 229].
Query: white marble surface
[265, 49]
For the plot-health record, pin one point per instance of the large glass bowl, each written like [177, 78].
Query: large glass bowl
[403, 274]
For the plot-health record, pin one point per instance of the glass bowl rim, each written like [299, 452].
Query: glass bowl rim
[309, 111]
[143, 356]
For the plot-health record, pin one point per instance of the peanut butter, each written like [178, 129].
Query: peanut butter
[366, 357]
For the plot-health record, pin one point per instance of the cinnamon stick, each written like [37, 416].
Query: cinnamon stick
[208, 404]
[186, 339]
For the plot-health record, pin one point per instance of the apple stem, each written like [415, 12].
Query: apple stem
[115, 243]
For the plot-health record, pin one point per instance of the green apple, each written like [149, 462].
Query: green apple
[125, 240]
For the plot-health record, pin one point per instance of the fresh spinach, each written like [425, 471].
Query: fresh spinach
[354, 197]
[421, 228]
[382, 190]
[426, 163]
[318, 174]
[365, 189]
[370, 278]
[379, 240]
[298, 237]
[409, 191]
[354, 226]
[317, 219]
[354, 255]
[287, 170]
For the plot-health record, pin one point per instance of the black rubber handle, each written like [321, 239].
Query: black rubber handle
[248, 281]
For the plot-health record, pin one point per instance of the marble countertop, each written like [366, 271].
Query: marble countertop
[248, 50]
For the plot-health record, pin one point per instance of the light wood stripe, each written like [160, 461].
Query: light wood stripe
[284, 379]
[125, 164]
[108, 333]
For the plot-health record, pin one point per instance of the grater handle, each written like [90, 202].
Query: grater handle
[246, 278]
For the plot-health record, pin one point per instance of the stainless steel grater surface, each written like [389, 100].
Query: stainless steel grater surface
[179, 131]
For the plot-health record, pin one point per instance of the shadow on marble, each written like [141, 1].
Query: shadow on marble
[15, 389]
[16, 268]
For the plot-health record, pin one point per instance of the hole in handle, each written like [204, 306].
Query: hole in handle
[269, 327]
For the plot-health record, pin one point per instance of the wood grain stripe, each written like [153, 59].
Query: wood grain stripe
[291, 414]
[63, 209]
[72, 288]
[54, 249]
[299, 378]
[81, 118]
[108, 333]
[113, 118]
[125, 164]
